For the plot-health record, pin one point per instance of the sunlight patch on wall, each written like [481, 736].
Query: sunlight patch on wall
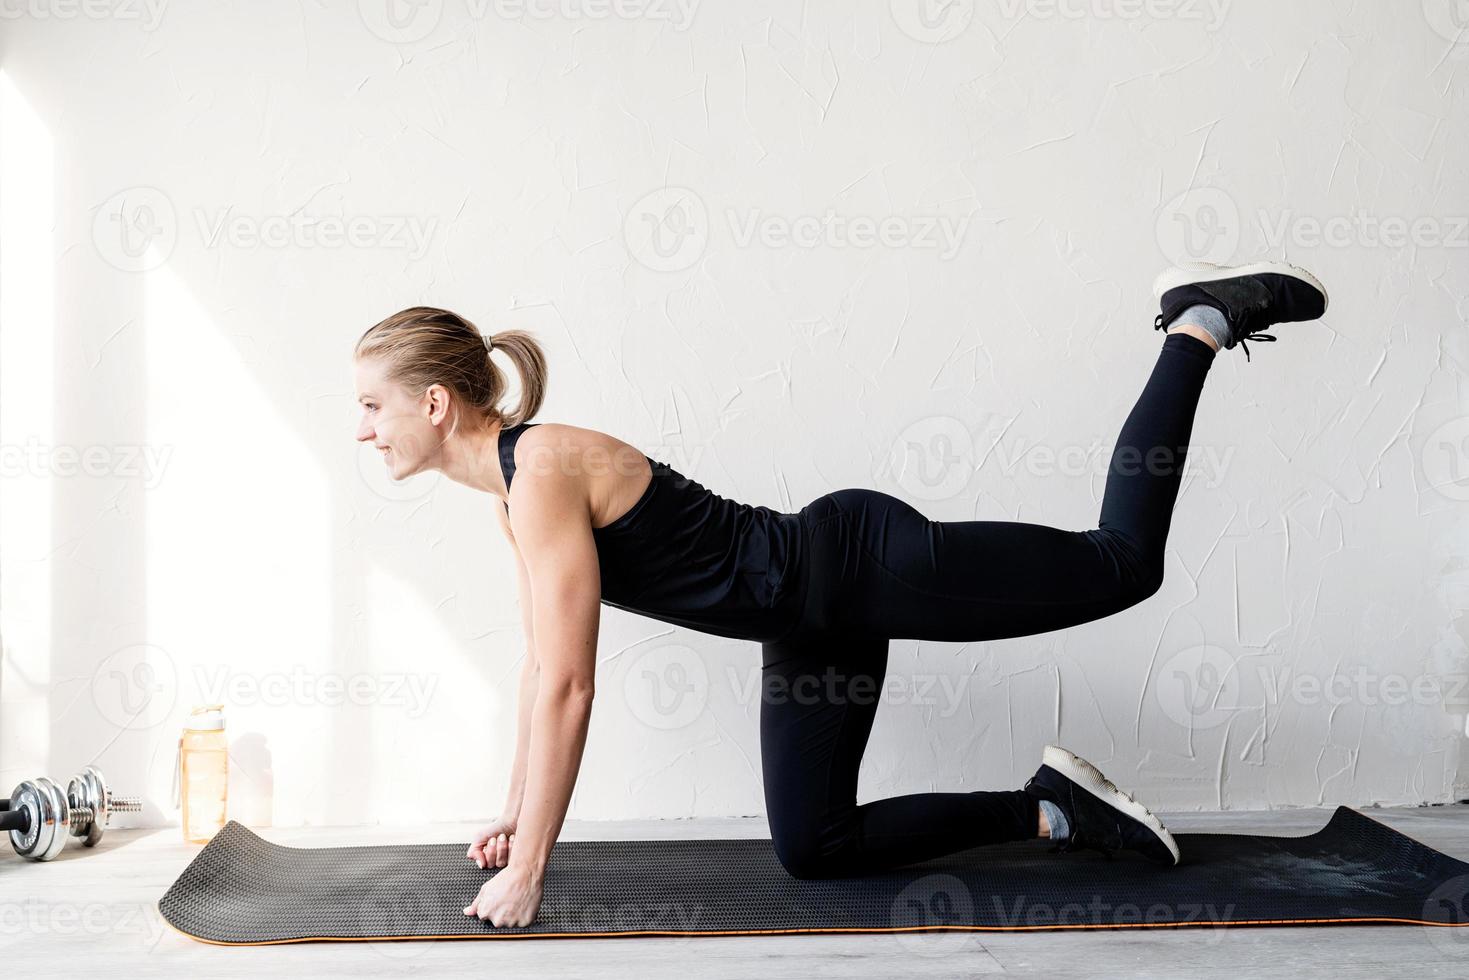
[27, 336]
[446, 708]
[238, 534]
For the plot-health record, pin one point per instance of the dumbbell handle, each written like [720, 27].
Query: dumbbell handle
[77, 816]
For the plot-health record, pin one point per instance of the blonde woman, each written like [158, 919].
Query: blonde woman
[591, 520]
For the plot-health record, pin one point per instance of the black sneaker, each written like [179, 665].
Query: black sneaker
[1101, 816]
[1251, 297]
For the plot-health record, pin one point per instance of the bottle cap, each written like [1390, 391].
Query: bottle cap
[206, 718]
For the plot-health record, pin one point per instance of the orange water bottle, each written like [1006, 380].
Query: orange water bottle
[203, 773]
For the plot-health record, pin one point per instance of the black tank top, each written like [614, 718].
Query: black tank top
[687, 556]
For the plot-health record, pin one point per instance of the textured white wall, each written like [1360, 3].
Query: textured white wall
[203, 205]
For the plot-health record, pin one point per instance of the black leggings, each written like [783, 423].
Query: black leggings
[880, 570]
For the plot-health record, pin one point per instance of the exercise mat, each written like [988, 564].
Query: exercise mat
[242, 889]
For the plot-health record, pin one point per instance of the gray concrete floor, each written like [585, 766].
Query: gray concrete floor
[94, 913]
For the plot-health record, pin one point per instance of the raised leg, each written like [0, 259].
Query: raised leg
[907, 577]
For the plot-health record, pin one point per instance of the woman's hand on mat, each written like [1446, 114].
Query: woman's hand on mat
[491, 846]
[511, 898]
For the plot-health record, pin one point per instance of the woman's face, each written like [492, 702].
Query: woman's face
[396, 423]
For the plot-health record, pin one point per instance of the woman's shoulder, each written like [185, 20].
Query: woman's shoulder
[579, 451]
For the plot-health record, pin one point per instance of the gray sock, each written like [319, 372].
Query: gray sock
[1060, 827]
[1207, 317]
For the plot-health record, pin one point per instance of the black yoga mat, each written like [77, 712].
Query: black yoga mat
[242, 889]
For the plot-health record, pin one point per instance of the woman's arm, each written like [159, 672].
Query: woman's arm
[553, 528]
[529, 684]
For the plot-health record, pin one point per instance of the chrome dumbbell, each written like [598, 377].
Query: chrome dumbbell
[88, 792]
[40, 817]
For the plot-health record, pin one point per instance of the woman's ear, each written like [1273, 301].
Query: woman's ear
[437, 400]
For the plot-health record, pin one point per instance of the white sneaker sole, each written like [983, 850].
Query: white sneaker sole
[1208, 272]
[1090, 778]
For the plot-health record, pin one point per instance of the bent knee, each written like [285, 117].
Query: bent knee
[803, 858]
[1143, 585]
